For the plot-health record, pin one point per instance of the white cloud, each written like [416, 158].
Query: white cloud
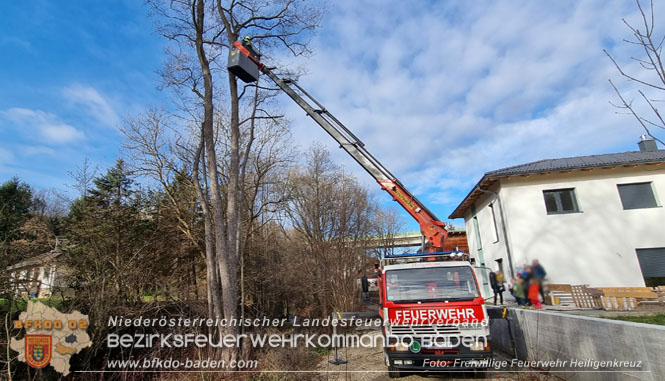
[93, 102]
[443, 92]
[30, 150]
[6, 156]
[47, 125]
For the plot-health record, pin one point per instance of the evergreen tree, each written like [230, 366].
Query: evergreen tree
[16, 199]
[110, 235]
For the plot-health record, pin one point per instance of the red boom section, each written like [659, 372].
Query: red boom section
[433, 229]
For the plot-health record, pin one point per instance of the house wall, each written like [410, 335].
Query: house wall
[487, 237]
[596, 246]
[47, 277]
[37, 281]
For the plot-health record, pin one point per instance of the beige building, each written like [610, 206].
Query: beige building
[596, 220]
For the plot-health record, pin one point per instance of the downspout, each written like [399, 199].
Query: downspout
[503, 228]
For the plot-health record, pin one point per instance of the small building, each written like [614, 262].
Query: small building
[39, 276]
[596, 220]
[456, 240]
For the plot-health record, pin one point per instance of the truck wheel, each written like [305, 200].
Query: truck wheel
[394, 372]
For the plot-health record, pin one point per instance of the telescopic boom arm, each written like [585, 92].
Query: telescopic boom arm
[431, 227]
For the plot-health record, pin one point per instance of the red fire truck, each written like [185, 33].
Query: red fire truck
[434, 317]
[433, 313]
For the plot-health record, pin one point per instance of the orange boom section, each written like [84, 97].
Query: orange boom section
[433, 230]
[245, 64]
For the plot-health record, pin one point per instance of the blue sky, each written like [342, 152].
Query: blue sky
[70, 72]
[440, 91]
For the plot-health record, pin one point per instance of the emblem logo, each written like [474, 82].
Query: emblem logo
[38, 350]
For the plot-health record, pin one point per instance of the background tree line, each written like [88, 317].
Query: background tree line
[210, 211]
[134, 247]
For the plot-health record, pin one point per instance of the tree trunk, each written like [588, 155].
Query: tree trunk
[225, 244]
[212, 277]
[232, 209]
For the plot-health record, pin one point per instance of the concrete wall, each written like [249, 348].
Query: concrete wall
[595, 246]
[544, 336]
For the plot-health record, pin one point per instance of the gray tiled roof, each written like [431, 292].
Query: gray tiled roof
[38, 260]
[580, 162]
[562, 164]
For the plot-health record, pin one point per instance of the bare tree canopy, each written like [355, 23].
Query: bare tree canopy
[651, 80]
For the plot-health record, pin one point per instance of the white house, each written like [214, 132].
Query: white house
[38, 276]
[596, 220]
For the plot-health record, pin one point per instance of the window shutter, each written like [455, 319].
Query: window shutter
[652, 262]
[637, 196]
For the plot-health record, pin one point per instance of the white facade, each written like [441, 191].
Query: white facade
[37, 282]
[595, 246]
[38, 276]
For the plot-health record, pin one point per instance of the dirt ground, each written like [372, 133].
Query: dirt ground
[367, 364]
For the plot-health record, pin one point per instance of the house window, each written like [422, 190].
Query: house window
[476, 228]
[496, 229]
[637, 196]
[652, 264]
[558, 201]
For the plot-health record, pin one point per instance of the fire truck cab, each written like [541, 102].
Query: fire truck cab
[434, 317]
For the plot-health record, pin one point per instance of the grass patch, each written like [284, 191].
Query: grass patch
[22, 304]
[151, 298]
[658, 319]
[321, 351]
[281, 359]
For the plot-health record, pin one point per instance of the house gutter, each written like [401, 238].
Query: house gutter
[503, 228]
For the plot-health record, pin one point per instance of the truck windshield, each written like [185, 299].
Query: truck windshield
[430, 284]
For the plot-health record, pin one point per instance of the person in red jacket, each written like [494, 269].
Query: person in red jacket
[533, 295]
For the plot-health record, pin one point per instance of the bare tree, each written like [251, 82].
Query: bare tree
[279, 23]
[83, 176]
[157, 150]
[653, 77]
[201, 32]
[333, 217]
[387, 224]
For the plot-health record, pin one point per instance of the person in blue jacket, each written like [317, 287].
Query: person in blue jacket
[539, 275]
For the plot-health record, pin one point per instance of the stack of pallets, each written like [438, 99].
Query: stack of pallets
[607, 298]
[586, 297]
[628, 298]
[560, 295]
[660, 290]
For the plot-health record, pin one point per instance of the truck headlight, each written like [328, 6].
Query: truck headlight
[479, 346]
[399, 346]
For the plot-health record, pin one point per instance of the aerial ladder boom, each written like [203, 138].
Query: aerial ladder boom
[431, 227]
